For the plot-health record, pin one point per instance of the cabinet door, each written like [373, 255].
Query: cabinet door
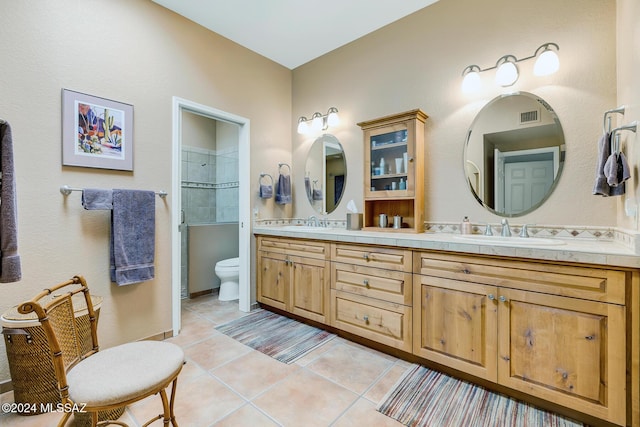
[274, 280]
[565, 350]
[390, 161]
[310, 289]
[455, 324]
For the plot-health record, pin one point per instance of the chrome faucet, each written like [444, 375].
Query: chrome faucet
[314, 219]
[506, 230]
[524, 232]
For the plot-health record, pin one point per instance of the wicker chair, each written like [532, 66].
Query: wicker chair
[92, 381]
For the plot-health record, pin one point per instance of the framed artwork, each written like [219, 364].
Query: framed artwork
[96, 132]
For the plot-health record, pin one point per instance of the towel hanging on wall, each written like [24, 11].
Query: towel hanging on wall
[10, 267]
[265, 189]
[283, 192]
[132, 245]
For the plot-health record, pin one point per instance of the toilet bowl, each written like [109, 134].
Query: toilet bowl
[228, 271]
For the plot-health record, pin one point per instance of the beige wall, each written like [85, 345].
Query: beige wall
[628, 54]
[417, 62]
[136, 52]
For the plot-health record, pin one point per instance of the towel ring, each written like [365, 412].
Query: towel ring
[262, 175]
[280, 165]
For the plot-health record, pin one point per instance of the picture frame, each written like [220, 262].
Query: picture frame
[96, 132]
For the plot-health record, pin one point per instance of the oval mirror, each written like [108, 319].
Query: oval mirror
[325, 174]
[514, 154]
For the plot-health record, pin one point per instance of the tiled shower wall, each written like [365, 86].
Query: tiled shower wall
[209, 192]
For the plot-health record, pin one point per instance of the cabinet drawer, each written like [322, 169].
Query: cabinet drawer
[388, 285]
[379, 321]
[289, 246]
[589, 283]
[370, 256]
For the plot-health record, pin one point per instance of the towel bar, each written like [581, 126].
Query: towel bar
[615, 137]
[66, 190]
[606, 125]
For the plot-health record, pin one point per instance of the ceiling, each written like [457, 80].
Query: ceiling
[293, 32]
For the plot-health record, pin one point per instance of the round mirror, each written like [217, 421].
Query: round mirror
[325, 174]
[514, 154]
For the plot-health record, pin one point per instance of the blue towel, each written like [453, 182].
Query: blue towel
[601, 187]
[97, 199]
[133, 227]
[283, 192]
[10, 265]
[266, 191]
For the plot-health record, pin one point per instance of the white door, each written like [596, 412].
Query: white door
[526, 184]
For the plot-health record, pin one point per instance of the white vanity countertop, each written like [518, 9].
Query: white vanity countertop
[603, 252]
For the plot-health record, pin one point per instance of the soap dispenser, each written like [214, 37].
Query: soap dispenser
[465, 226]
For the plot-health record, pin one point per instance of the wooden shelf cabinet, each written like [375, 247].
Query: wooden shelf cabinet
[394, 170]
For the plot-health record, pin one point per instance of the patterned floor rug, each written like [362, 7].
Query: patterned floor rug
[423, 397]
[277, 336]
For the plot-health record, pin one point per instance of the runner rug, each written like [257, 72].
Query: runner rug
[277, 336]
[423, 397]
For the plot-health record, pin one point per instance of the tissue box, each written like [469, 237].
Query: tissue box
[354, 221]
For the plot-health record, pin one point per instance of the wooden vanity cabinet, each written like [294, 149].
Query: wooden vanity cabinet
[512, 322]
[293, 275]
[371, 293]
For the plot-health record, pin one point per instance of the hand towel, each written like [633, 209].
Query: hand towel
[283, 192]
[133, 228]
[623, 173]
[10, 267]
[266, 191]
[97, 199]
[604, 151]
[611, 170]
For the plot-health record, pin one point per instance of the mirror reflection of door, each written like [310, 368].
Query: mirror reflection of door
[514, 154]
[523, 178]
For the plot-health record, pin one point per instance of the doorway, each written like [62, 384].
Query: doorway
[181, 106]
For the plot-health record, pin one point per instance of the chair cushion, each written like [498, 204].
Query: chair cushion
[124, 372]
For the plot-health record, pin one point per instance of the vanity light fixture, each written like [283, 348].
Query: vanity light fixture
[507, 70]
[319, 122]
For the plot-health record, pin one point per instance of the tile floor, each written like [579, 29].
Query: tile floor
[225, 383]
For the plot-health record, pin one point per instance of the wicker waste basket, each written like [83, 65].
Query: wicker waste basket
[32, 373]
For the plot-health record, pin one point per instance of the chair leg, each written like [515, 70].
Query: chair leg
[165, 405]
[174, 423]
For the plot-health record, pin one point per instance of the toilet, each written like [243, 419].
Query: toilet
[228, 271]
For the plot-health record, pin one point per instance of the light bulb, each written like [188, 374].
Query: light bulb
[303, 127]
[507, 74]
[471, 82]
[316, 122]
[547, 63]
[332, 117]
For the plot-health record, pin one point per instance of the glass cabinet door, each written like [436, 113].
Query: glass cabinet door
[390, 160]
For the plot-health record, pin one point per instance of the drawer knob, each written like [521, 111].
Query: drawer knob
[503, 298]
[366, 256]
[465, 271]
[366, 319]
[491, 297]
[366, 283]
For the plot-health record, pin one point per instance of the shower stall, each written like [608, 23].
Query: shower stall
[209, 229]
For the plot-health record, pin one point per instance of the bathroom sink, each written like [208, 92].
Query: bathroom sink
[509, 241]
[304, 228]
